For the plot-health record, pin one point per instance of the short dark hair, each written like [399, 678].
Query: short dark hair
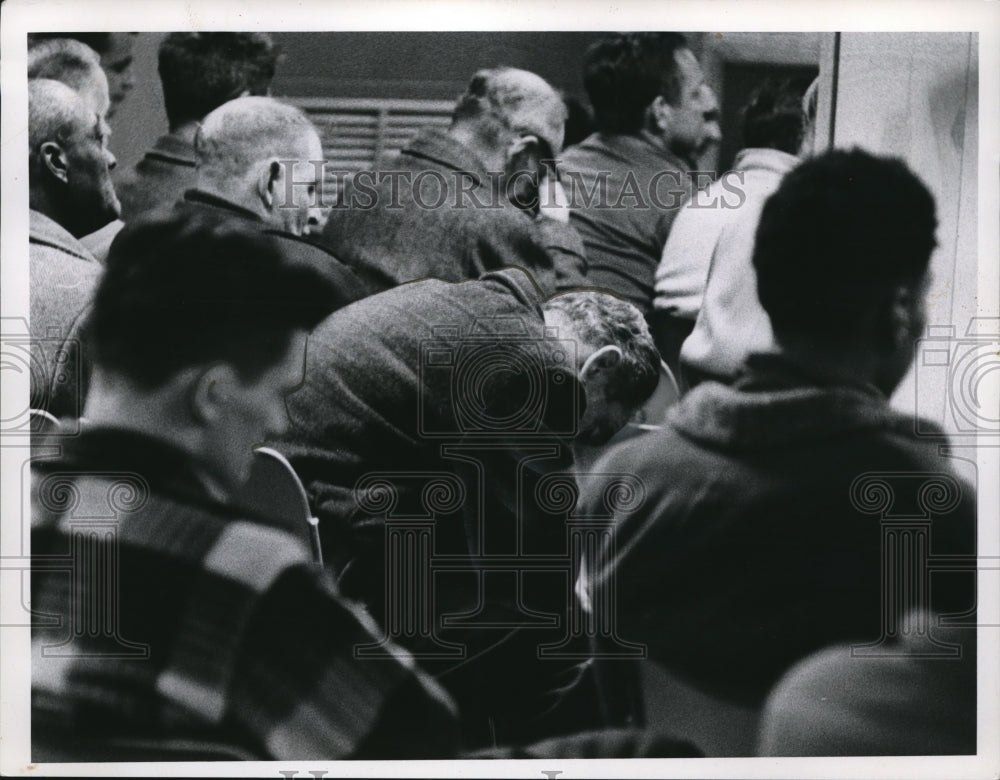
[184, 289]
[202, 70]
[624, 74]
[841, 232]
[774, 117]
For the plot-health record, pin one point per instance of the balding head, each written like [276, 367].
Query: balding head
[69, 162]
[517, 101]
[74, 64]
[245, 151]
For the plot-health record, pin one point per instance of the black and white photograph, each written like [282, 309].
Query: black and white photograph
[488, 389]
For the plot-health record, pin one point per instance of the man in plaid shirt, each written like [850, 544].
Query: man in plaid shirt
[164, 610]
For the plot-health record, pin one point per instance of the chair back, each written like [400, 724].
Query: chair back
[275, 491]
[42, 422]
[666, 394]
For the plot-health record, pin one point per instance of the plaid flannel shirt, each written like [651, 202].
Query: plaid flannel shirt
[169, 613]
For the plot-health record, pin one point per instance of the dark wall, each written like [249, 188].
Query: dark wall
[422, 65]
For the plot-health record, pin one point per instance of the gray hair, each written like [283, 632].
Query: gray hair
[599, 319]
[239, 135]
[64, 60]
[55, 112]
[514, 100]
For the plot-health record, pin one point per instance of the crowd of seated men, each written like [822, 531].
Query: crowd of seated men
[486, 538]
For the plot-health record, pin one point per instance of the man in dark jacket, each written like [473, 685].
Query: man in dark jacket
[253, 157]
[470, 199]
[773, 518]
[254, 162]
[445, 414]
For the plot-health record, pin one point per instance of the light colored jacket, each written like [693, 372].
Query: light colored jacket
[731, 323]
[63, 275]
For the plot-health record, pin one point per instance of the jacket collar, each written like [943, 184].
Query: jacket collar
[172, 149]
[46, 231]
[438, 147]
[776, 403]
[203, 198]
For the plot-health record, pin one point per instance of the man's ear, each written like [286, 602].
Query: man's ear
[602, 361]
[660, 112]
[54, 160]
[521, 147]
[210, 393]
[267, 186]
[903, 318]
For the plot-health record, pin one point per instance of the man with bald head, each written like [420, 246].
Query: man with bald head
[70, 195]
[199, 71]
[248, 153]
[469, 199]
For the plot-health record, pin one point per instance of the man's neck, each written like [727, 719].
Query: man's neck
[186, 131]
[492, 159]
[113, 402]
[44, 204]
[245, 200]
[845, 367]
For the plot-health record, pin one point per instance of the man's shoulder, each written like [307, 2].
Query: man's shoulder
[48, 239]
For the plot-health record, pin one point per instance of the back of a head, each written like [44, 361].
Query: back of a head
[624, 74]
[599, 319]
[239, 135]
[506, 99]
[202, 70]
[64, 59]
[184, 289]
[774, 117]
[842, 231]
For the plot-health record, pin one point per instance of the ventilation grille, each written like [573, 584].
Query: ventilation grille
[361, 133]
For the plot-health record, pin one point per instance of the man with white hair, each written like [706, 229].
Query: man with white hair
[199, 71]
[74, 64]
[470, 199]
[250, 150]
[254, 161]
[70, 195]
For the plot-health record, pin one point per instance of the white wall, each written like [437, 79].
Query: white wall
[915, 95]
